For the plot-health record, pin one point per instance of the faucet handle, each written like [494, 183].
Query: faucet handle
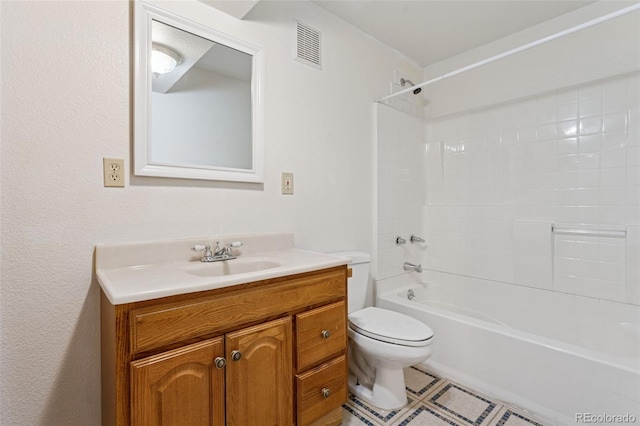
[206, 257]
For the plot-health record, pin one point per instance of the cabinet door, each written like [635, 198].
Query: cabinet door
[260, 378]
[179, 387]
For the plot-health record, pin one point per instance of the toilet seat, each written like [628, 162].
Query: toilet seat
[389, 326]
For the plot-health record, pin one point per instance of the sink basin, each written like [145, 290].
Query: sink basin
[135, 272]
[233, 267]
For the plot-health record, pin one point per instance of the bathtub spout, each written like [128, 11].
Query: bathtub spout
[411, 267]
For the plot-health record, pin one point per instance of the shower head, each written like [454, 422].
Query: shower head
[405, 81]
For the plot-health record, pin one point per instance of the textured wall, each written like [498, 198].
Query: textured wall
[65, 99]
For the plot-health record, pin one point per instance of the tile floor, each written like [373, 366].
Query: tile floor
[435, 401]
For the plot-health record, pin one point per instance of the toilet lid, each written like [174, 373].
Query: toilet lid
[390, 326]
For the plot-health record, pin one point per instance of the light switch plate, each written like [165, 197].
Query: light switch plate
[287, 183]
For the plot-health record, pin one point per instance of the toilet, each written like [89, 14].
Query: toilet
[382, 343]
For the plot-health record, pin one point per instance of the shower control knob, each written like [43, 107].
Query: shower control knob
[326, 392]
[220, 362]
[326, 334]
[236, 355]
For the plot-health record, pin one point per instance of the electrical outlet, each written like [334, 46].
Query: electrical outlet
[287, 183]
[113, 171]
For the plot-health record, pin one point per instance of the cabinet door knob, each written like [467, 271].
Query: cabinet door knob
[326, 334]
[220, 362]
[326, 392]
[236, 355]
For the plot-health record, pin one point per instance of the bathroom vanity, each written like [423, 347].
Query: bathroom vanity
[267, 346]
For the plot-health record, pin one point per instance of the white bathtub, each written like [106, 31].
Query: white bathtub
[553, 354]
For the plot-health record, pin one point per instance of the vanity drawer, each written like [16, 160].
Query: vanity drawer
[159, 325]
[321, 390]
[321, 334]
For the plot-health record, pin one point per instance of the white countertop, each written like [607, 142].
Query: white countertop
[126, 274]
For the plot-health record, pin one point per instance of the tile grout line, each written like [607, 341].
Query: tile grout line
[437, 400]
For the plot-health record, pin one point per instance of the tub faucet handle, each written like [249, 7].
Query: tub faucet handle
[400, 241]
[416, 239]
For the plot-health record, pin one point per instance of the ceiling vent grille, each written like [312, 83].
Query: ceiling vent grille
[308, 46]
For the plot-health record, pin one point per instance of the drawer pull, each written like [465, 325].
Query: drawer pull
[326, 392]
[236, 355]
[220, 362]
[326, 334]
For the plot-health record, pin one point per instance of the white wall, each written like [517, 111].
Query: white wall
[401, 156]
[66, 105]
[547, 136]
[205, 119]
[503, 176]
[601, 51]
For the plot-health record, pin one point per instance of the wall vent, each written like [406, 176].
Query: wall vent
[308, 46]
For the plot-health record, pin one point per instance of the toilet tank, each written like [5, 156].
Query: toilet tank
[358, 284]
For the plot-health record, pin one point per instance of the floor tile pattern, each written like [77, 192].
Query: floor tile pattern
[435, 401]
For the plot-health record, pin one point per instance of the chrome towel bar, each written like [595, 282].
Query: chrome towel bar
[608, 233]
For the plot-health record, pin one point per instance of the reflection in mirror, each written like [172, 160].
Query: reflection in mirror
[202, 98]
[205, 102]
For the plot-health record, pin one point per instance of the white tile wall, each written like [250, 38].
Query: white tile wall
[533, 253]
[570, 157]
[633, 265]
[590, 265]
[401, 153]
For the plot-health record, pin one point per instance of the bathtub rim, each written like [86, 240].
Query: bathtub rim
[531, 338]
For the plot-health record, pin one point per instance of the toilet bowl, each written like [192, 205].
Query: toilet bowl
[382, 343]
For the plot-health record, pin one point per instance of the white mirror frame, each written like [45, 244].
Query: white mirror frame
[144, 13]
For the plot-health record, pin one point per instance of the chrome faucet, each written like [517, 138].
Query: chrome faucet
[219, 253]
[411, 267]
[410, 294]
[226, 251]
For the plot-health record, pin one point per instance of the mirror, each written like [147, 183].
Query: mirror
[197, 101]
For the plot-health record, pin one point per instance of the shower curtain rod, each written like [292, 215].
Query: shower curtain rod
[543, 40]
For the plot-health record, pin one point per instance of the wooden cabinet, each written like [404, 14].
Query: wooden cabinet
[179, 387]
[271, 352]
[321, 334]
[260, 375]
[321, 380]
[322, 390]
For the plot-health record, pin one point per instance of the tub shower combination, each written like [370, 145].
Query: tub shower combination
[560, 363]
[566, 357]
